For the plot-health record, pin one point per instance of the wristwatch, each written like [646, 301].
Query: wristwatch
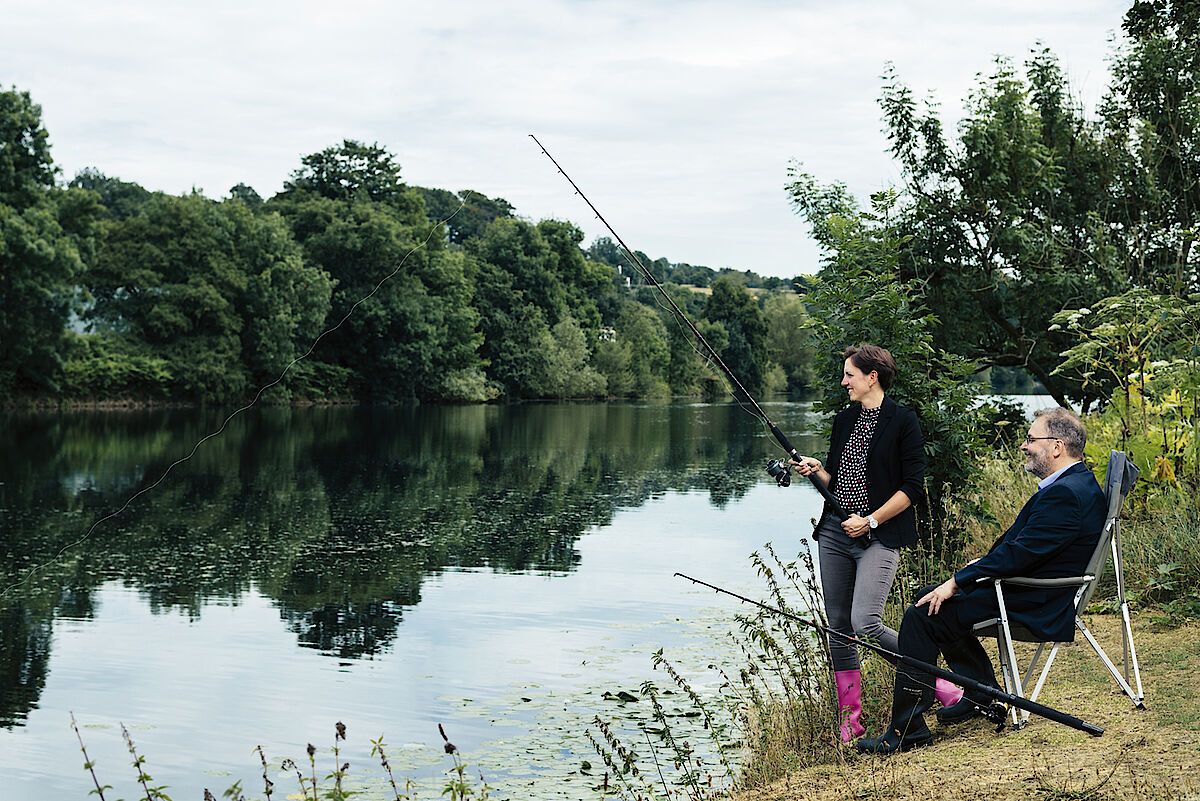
[872, 522]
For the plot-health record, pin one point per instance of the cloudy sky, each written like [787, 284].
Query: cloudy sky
[678, 118]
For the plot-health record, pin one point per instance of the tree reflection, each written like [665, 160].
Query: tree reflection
[336, 514]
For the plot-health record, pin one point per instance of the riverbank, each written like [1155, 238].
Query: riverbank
[1143, 754]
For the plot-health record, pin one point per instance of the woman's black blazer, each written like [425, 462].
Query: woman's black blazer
[895, 461]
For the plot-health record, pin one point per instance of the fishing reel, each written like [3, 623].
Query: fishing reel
[781, 471]
[995, 713]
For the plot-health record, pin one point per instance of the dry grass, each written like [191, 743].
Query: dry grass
[1143, 754]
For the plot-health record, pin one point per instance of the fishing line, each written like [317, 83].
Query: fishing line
[38, 568]
[780, 437]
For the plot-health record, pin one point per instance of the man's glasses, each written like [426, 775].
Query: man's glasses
[1031, 439]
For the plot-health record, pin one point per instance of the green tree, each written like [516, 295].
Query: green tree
[246, 194]
[529, 279]
[210, 293]
[405, 326]
[45, 240]
[746, 352]
[789, 339]
[466, 214]
[120, 199]
[515, 294]
[1152, 114]
[353, 169]
[1007, 225]
[614, 361]
[645, 335]
[565, 372]
[26, 169]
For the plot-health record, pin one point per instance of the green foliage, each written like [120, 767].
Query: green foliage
[45, 239]
[860, 298]
[353, 170]
[530, 279]
[401, 312]
[25, 164]
[565, 370]
[1153, 114]
[788, 339]
[1144, 351]
[1010, 223]
[1002, 423]
[645, 335]
[216, 297]
[614, 361]
[119, 199]
[606, 251]
[745, 349]
[112, 367]
[467, 213]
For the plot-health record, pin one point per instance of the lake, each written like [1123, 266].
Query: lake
[494, 569]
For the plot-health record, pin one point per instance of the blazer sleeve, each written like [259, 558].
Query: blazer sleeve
[912, 457]
[1053, 523]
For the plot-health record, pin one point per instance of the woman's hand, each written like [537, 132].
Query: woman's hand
[856, 526]
[806, 465]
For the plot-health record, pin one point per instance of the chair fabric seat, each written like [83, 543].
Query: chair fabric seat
[991, 628]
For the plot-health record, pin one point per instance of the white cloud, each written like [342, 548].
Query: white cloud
[677, 118]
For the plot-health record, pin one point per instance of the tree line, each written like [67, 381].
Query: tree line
[112, 291]
[1032, 207]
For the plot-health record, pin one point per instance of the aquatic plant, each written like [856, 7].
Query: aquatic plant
[458, 787]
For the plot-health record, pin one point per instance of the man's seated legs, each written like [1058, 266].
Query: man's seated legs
[922, 637]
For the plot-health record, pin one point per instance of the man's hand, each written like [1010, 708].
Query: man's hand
[938, 595]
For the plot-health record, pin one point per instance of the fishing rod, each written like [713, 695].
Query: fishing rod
[778, 469]
[992, 712]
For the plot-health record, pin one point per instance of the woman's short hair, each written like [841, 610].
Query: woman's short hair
[1065, 425]
[870, 358]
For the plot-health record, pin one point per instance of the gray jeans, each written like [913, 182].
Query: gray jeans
[855, 582]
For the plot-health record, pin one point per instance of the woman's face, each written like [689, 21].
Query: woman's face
[855, 382]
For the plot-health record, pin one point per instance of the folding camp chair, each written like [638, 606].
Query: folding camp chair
[1118, 481]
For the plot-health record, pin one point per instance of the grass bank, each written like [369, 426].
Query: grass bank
[1143, 754]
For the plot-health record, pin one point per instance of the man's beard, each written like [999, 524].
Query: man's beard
[1038, 464]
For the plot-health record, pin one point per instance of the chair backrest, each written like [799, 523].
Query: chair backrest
[1118, 481]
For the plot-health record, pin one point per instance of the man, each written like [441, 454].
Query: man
[1053, 537]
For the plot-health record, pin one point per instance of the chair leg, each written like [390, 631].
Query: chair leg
[1008, 659]
[1037, 689]
[1131, 656]
[1129, 652]
[1112, 669]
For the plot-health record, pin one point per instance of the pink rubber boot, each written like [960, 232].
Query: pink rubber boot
[849, 694]
[947, 694]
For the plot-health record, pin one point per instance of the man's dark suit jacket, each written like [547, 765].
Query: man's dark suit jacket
[895, 461]
[1054, 536]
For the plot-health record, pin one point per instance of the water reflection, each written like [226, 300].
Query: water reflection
[337, 515]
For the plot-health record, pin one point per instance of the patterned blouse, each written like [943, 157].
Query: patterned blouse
[852, 469]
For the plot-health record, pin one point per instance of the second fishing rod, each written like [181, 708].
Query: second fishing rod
[778, 469]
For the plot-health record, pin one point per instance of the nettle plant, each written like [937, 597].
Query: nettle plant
[1139, 354]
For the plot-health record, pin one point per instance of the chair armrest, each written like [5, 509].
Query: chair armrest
[1022, 581]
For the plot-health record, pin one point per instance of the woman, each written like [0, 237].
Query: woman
[876, 470]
